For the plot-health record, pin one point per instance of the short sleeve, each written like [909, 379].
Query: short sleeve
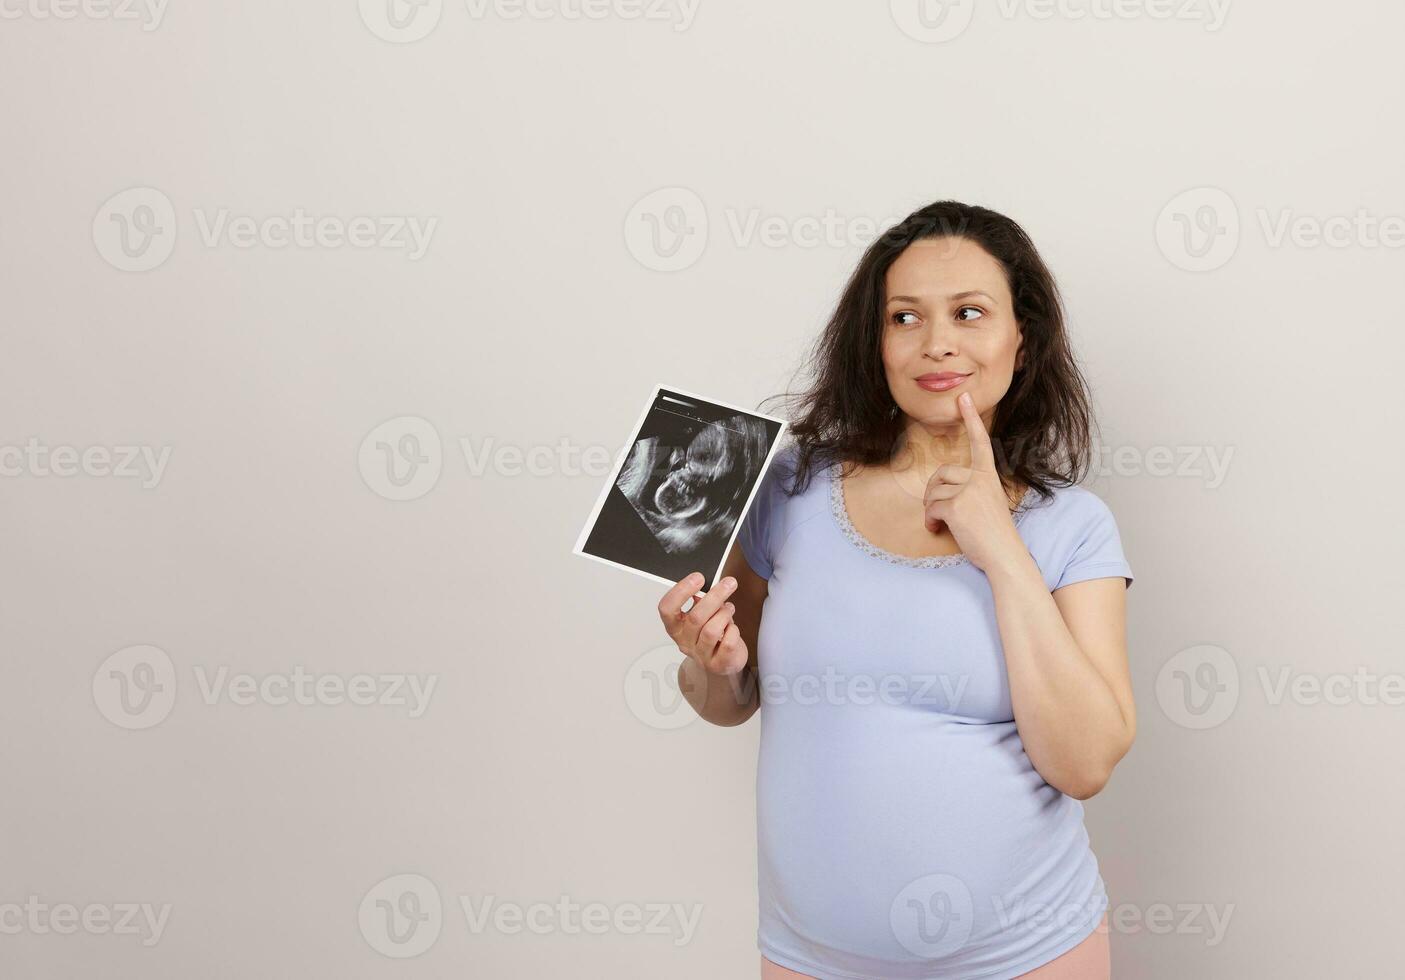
[1098, 551]
[758, 527]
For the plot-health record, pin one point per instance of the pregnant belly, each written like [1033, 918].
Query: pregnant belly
[904, 835]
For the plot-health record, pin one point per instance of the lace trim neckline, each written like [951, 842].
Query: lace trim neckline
[841, 517]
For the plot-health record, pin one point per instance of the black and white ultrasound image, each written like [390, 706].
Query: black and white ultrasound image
[682, 487]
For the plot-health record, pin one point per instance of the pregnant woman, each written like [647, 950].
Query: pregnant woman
[930, 614]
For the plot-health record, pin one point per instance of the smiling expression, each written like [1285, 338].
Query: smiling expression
[948, 309]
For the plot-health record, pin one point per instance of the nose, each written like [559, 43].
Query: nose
[940, 341]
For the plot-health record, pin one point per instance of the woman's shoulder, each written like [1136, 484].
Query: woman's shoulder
[1067, 505]
[1073, 535]
[784, 471]
[791, 494]
[778, 507]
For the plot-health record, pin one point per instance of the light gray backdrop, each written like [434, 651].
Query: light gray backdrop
[324, 321]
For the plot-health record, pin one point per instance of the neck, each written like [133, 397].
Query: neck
[922, 448]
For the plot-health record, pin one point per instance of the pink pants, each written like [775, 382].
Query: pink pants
[1089, 960]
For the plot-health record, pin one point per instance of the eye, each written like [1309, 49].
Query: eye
[902, 313]
[963, 309]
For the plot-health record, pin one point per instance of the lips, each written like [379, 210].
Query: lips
[941, 380]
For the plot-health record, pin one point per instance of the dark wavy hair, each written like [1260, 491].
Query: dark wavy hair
[1041, 430]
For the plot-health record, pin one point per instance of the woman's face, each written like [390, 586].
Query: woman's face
[948, 309]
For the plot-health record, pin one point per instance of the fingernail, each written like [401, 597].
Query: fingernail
[729, 583]
[731, 608]
[695, 578]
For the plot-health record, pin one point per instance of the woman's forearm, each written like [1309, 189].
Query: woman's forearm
[722, 699]
[1072, 727]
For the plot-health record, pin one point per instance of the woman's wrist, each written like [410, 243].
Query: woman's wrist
[1014, 567]
[722, 699]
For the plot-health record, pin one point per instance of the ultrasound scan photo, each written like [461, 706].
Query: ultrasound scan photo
[675, 501]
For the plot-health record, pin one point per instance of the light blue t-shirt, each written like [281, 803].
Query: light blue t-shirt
[902, 832]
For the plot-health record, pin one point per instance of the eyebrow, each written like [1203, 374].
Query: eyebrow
[969, 292]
